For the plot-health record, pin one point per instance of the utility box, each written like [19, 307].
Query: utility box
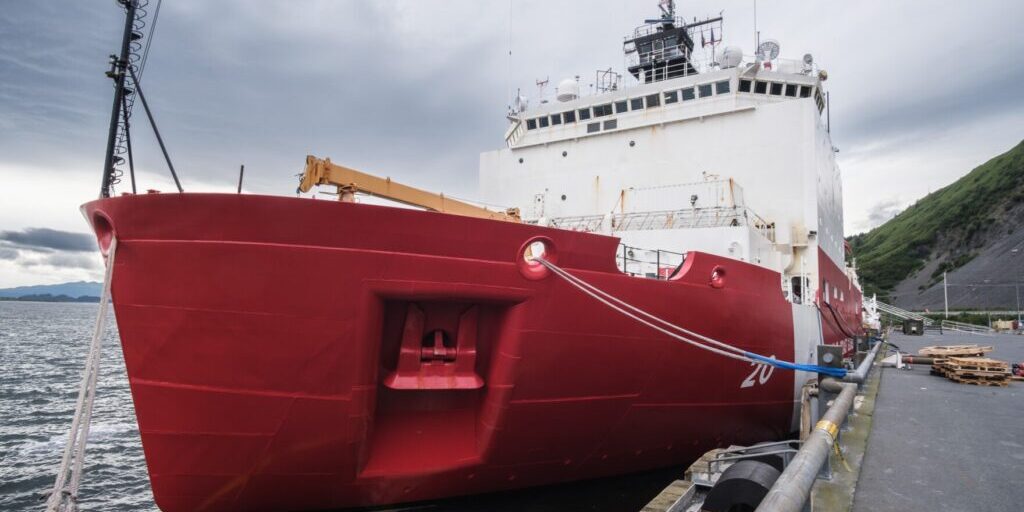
[913, 327]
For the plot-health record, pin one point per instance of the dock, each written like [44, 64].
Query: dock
[940, 445]
[917, 440]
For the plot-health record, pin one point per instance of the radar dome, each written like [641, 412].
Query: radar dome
[732, 56]
[567, 90]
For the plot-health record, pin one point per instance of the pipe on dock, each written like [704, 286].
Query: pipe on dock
[791, 490]
[862, 370]
[908, 359]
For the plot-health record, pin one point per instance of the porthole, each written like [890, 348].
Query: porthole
[565, 153]
[632, 143]
[563, 197]
[520, 160]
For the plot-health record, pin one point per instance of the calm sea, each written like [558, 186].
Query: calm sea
[42, 352]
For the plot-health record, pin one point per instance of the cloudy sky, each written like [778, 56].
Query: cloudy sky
[921, 93]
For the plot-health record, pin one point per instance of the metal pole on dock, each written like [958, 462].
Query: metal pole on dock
[945, 293]
[790, 492]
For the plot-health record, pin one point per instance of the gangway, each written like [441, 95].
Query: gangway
[965, 327]
[901, 313]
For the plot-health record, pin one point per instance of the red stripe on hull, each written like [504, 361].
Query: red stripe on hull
[259, 332]
[842, 315]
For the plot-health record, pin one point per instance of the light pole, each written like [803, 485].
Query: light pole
[1017, 287]
[945, 294]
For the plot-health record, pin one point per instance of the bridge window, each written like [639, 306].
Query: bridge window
[584, 114]
[760, 87]
[745, 85]
[704, 90]
[570, 116]
[687, 94]
[531, 124]
[776, 89]
[603, 110]
[722, 87]
[653, 100]
[791, 90]
[542, 122]
[636, 104]
[621, 106]
[556, 119]
[671, 97]
[593, 127]
[805, 91]
[611, 124]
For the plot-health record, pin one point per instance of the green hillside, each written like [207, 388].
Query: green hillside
[948, 224]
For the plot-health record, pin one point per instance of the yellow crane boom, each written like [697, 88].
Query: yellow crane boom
[349, 181]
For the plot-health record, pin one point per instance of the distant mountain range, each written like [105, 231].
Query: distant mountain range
[973, 230]
[79, 291]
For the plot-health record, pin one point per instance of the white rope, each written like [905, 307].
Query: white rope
[581, 283]
[606, 299]
[64, 495]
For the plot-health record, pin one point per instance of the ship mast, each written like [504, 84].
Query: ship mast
[118, 71]
[125, 70]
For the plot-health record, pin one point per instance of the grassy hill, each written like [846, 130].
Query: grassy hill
[948, 226]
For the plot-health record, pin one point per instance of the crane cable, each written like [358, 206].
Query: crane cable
[706, 343]
[64, 496]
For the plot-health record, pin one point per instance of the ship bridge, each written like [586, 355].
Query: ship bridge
[691, 96]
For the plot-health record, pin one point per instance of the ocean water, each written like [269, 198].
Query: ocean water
[42, 353]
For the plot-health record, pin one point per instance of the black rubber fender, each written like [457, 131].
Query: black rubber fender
[741, 487]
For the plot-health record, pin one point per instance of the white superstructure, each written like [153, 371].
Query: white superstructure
[735, 161]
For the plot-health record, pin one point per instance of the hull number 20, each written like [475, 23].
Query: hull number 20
[760, 375]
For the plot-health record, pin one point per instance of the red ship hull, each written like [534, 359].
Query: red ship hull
[279, 354]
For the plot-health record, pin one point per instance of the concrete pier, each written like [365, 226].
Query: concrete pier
[937, 445]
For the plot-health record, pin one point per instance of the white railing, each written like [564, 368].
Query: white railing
[649, 263]
[901, 313]
[965, 327]
[687, 218]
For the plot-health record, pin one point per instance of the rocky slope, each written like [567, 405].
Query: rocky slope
[973, 229]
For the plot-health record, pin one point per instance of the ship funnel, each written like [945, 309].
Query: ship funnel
[567, 90]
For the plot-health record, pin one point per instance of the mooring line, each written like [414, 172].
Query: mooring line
[64, 496]
[725, 349]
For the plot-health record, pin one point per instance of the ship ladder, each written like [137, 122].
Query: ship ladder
[64, 496]
[680, 333]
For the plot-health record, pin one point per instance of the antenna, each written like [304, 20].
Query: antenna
[768, 50]
[668, 9]
[541, 84]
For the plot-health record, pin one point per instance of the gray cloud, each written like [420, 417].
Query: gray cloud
[417, 89]
[73, 260]
[881, 212]
[6, 253]
[47, 240]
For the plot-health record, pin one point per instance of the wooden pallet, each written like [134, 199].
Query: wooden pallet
[977, 364]
[980, 381]
[954, 351]
[980, 371]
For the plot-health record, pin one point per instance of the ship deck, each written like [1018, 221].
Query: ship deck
[942, 446]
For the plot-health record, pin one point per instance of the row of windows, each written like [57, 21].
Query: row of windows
[775, 88]
[633, 104]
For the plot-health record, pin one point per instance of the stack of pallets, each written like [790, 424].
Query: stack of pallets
[944, 351]
[980, 371]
